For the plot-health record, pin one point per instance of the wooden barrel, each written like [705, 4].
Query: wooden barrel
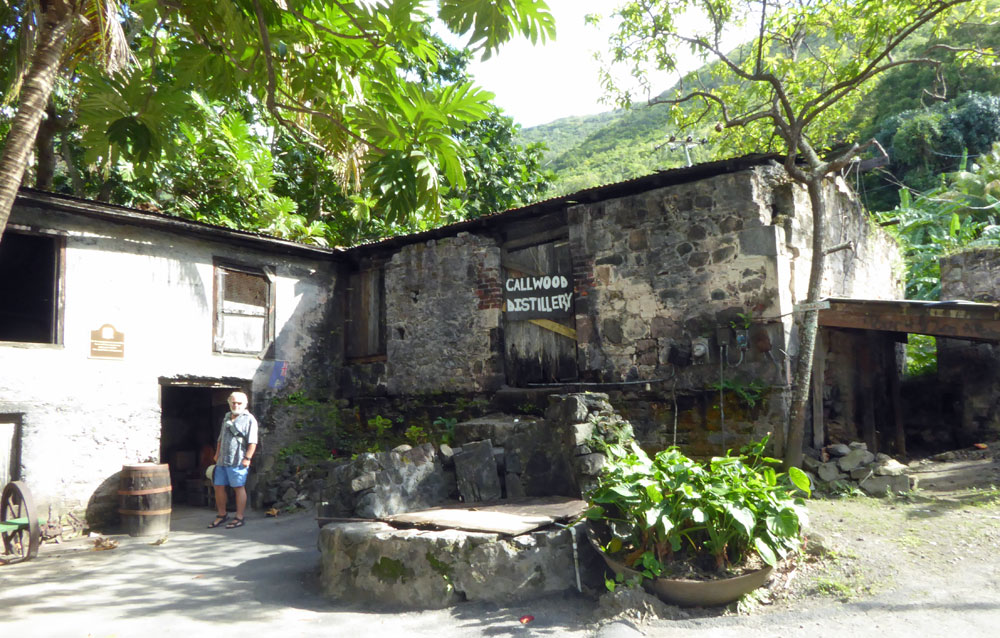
[144, 499]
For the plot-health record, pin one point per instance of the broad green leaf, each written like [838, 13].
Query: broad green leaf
[799, 479]
[765, 552]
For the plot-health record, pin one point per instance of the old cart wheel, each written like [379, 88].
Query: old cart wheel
[16, 505]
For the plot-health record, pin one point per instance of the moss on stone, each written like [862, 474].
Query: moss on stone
[389, 570]
[438, 565]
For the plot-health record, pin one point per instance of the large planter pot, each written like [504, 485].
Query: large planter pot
[691, 593]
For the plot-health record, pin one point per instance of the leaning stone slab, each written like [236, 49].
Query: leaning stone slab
[476, 472]
[810, 464]
[497, 428]
[582, 432]
[855, 459]
[373, 563]
[878, 485]
[829, 472]
[861, 473]
[590, 464]
[567, 409]
[838, 449]
[363, 482]
[890, 467]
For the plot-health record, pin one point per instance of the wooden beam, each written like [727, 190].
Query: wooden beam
[959, 320]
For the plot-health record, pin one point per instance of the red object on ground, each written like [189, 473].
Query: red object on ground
[980, 446]
[526, 619]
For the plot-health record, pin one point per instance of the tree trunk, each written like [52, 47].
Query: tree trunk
[808, 327]
[38, 83]
[45, 148]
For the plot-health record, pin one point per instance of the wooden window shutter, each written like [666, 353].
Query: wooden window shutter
[366, 314]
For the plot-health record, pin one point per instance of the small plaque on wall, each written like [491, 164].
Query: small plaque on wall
[107, 343]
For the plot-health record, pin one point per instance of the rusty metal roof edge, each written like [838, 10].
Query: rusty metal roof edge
[590, 195]
[170, 223]
[659, 179]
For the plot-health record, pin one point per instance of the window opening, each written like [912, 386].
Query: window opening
[29, 288]
[244, 310]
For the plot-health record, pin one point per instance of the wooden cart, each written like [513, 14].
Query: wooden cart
[19, 524]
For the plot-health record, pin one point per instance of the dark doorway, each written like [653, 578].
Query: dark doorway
[189, 426]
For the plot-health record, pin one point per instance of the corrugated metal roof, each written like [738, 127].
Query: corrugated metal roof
[163, 221]
[634, 186]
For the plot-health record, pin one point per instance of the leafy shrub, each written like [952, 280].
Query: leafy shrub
[671, 508]
[447, 427]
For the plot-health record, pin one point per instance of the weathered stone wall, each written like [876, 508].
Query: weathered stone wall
[972, 370]
[665, 273]
[84, 418]
[661, 280]
[443, 316]
[661, 268]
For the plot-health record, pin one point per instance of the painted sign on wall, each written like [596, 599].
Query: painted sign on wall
[543, 297]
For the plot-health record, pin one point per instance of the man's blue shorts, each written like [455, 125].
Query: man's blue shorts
[231, 476]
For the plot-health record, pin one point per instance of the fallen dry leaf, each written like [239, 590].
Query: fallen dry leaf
[271, 512]
[101, 544]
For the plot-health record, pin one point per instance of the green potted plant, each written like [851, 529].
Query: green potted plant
[711, 530]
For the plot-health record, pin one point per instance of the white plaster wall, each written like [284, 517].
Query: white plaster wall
[873, 270]
[84, 418]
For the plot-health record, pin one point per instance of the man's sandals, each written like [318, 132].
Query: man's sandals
[219, 520]
[236, 522]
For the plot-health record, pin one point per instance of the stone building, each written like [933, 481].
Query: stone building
[969, 371]
[674, 293]
[660, 291]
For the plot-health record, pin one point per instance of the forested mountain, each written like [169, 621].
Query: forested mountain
[924, 137]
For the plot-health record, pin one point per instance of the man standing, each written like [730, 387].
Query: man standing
[233, 452]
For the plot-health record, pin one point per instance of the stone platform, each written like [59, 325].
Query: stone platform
[369, 561]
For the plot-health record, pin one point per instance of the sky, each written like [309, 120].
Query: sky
[536, 84]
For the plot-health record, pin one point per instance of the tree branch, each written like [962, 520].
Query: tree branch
[368, 37]
[274, 107]
[769, 78]
[822, 101]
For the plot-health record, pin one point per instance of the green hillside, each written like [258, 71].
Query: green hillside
[587, 151]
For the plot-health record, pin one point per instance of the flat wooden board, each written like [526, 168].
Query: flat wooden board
[514, 516]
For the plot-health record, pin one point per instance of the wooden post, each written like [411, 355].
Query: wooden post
[818, 382]
[895, 398]
[866, 376]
